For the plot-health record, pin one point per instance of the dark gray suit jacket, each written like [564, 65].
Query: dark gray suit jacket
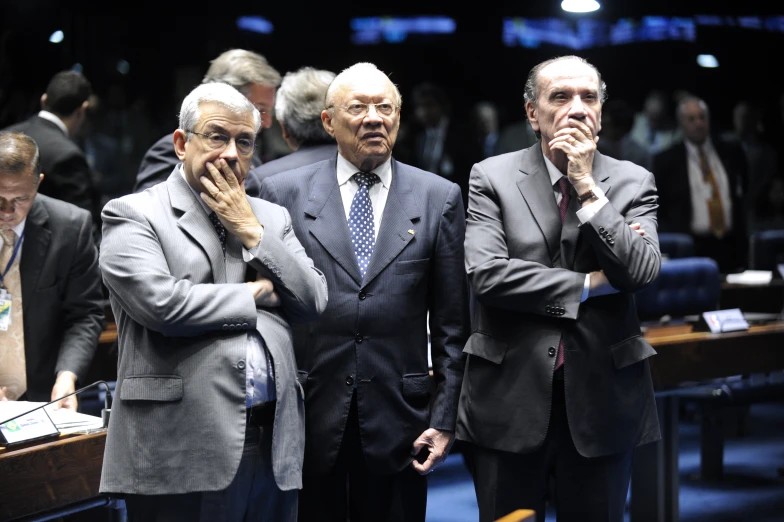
[61, 294]
[67, 174]
[306, 154]
[374, 331]
[183, 315]
[527, 272]
[160, 159]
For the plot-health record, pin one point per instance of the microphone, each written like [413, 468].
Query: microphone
[105, 412]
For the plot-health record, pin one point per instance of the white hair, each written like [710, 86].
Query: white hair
[345, 77]
[220, 93]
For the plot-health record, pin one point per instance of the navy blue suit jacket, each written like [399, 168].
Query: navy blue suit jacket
[373, 334]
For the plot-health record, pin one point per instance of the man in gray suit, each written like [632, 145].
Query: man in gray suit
[389, 238]
[298, 105]
[558, 238]
[208, 418]
[53, 283]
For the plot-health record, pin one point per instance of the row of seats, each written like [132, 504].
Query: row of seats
[766, 248]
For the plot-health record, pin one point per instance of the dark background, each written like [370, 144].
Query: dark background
[169, 44]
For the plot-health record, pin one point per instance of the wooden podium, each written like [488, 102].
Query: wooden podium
[52, 475]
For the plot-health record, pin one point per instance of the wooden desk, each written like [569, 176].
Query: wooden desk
[685, 356]
[50, 475]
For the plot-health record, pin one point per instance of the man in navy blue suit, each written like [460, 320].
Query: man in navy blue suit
[389, 239]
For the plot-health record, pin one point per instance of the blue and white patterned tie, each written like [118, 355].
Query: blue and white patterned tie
[360, 220]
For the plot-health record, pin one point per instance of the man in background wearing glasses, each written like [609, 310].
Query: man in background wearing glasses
[206, 370]
[389, 239]
[246, 71]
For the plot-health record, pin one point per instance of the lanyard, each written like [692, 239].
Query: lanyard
[11, 261]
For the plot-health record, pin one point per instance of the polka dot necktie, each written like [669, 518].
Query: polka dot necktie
[360, 220]
[220, 229]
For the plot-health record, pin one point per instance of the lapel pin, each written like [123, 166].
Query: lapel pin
[411, 231]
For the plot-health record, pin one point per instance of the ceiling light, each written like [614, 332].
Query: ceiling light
[707, 60]
[580, 6]
[57, 37]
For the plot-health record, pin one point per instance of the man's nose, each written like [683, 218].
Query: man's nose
[372, 115]
[577, 109]
[230, 152]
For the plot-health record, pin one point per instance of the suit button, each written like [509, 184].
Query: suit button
[241, 364]
[611, 241]
[601, 230]
[362, 296]
[225, 327]
[349, 381]
[551, 351]
[358, 338]
[548, 308]
[244, 325]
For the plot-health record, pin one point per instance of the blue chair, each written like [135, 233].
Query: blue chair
[676, 245]
[766, 249]
[685, 286]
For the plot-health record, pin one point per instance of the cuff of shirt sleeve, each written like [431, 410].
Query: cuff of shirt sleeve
[587, 284]
[249, 254]
[587, 212]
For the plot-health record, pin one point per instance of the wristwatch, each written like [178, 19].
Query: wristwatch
[594, 193]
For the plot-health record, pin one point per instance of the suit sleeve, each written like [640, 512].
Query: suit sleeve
[629, 261]
[157, 164]
[301, 287]
[448, 306]
[82, 306]
[136, 271]
[510, 283]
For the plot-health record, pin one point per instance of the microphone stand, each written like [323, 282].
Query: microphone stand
[105, 412]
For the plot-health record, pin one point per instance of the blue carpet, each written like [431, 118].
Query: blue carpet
[751, 490]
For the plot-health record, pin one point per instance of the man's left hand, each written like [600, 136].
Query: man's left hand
[438, 443]
[65, 384]
[225, 195]
[579, 144]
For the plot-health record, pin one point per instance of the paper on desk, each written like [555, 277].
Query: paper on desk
[66, 421]
[751, 277]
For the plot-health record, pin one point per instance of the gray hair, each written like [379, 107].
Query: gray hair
[358, 69]
[299, 102]
[19, 154]
[531, 93]
[690, 98]
[220, 93]
[240, 68]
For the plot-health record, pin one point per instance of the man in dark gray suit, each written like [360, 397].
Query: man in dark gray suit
[558, 239]
[389, 238]
[208, 418]
[248, 72]
[53, 283]
[298, 105]
[61, 119]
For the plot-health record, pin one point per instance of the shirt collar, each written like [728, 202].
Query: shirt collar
[693, 148]
[18, 229]
[552, 170]
[204, 206]
[54, 119]
[346, 170]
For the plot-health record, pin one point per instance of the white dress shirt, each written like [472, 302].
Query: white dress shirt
[54, 119]
[584, 214]
[378, 192]
[701, 190]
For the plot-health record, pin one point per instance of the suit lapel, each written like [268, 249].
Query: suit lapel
[197, 224]
[400, 212]
[570, 235]
[36, 244]
[328, 220]
[537, 191]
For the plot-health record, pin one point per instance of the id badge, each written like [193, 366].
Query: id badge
[5, 310]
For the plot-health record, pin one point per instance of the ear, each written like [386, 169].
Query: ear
[326, 120]
[180, 140]
[40, 179]
[532, 113]
[284, 131]
[43, 101]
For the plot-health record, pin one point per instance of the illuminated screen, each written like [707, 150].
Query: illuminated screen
[388, 29]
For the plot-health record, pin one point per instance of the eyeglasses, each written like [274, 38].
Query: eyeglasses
[219, 141]
[361, 109]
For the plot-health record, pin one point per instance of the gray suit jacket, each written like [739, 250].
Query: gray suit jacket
[183, 316]
[527, 272]
[306, 154]
[61, 294]
[374, 330]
